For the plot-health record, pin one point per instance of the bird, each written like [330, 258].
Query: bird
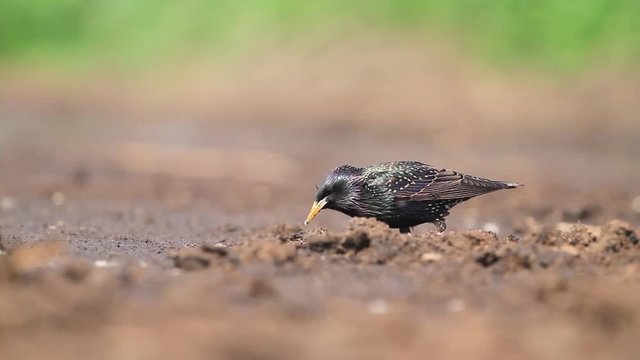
[402, 194]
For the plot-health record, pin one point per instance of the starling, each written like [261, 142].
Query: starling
[401, 194]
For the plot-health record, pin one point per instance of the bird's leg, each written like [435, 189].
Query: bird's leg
[441, 226]
[405, 230]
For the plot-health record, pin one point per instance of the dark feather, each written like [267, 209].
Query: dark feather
[421, 182]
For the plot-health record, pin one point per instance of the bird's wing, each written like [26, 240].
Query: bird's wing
[398, 176]
[442, 184]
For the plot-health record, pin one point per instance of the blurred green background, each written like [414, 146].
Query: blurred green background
[544, 34]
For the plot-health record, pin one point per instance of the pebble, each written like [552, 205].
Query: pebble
[57, 198]
[104, 263]
[429, 257]
[378, 307]
[455, 305]
[57, 225]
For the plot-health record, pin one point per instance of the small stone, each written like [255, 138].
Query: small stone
[57, 198]
[430, 257]
[7, 203]
[104, 263]
[219, 249]
[455, 305]
[378, 307]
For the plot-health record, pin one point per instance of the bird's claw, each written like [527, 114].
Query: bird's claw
[441, 226]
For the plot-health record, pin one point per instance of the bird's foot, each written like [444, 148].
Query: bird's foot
[440, 225]
[405, 230]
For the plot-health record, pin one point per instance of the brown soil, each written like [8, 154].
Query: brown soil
[180, 236]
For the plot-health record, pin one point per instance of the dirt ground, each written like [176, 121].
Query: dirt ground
[170, 226]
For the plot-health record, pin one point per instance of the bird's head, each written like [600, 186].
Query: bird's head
[338, 191]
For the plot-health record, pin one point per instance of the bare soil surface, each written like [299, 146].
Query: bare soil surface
[180, 236]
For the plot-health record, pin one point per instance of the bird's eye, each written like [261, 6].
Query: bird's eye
[338, 188]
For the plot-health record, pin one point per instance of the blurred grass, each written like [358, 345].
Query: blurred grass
[565, 35]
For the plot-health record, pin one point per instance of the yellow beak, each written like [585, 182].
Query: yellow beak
[315, 209]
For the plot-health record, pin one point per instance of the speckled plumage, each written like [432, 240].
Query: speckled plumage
[402, 194]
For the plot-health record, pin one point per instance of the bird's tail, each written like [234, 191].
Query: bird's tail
[510, 185]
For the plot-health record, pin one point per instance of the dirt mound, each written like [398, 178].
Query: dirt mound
[367, 241]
